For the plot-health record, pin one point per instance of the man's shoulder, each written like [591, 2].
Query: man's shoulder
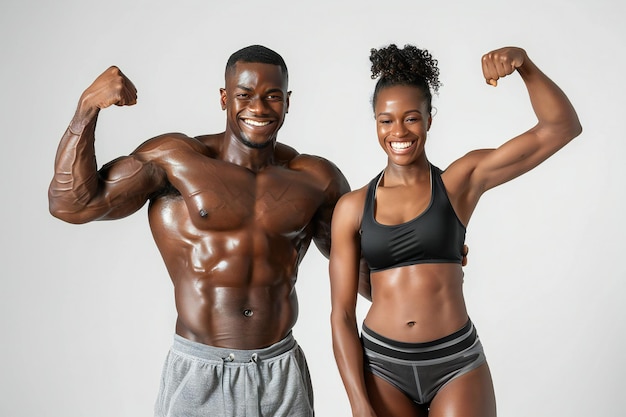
[174, 141]
[315, 165]
[290, 157]
[321, 171]
[284, 154]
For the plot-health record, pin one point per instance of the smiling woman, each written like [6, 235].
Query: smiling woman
[419, 352]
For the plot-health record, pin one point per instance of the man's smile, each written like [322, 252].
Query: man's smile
[256, 123]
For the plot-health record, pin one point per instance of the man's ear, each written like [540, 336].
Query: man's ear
[430, 121]
[223, 98]
[287, 102]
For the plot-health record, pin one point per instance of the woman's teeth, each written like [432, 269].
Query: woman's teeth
[400, 145]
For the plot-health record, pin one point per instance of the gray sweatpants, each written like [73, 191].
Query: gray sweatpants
[200, 380]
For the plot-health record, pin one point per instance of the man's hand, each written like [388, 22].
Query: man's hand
[502, 62]
[465, 252]
[111, 87]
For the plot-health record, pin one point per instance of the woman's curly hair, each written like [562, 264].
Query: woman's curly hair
[408, 66]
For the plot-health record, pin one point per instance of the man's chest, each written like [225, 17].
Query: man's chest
[226, 197]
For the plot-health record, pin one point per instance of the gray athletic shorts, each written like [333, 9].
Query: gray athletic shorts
[420, 370]
[201, 380]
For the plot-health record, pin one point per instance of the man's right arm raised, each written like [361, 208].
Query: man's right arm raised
[79, 192]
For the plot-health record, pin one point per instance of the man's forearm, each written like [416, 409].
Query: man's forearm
[75, 179]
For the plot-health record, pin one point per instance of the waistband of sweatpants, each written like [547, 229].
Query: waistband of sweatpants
[440, 348]
[211, 353]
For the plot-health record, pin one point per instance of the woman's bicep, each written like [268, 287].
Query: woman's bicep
[514, 158]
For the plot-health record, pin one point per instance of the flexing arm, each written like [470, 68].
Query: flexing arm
[79, 192]
[344, 284]
[557, 124]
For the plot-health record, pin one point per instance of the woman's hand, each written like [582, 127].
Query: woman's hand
[502, 62]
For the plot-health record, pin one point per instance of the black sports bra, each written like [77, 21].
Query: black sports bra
[435, 236]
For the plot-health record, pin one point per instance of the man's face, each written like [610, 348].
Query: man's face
[256, 100]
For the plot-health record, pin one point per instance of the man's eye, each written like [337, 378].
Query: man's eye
[242, 95]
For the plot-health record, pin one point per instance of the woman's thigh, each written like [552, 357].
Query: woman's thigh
[389, 401]
[469, 395]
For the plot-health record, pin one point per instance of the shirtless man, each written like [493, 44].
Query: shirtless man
[232, 214]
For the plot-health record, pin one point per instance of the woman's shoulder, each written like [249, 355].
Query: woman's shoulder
[348, 211]
[353, 201]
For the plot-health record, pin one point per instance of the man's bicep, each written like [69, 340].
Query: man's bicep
[121, 187]
[127, 184]
[335, 186]
[365, 285]
[338, 188]
[321, 235]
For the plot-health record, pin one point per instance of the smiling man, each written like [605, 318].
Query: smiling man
[233, 215]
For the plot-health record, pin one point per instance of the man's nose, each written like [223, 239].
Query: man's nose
[257, 105]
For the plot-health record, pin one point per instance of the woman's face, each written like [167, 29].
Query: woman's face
[402, 120]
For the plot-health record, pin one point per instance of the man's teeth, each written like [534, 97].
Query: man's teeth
[255, 123]
[400, 145]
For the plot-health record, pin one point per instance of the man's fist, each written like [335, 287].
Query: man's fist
[111, 87]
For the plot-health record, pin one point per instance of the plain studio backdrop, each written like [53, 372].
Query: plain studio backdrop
[87, 312]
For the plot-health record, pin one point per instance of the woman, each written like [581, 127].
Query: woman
[421, 352]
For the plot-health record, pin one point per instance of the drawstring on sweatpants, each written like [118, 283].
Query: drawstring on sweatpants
[252, 402]
[252, 391]
[228, 358]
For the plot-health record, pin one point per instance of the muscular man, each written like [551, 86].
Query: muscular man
[232, 214]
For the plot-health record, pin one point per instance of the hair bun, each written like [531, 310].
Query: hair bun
[407, 65]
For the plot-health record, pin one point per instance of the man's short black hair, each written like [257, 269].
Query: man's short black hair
[257, 54]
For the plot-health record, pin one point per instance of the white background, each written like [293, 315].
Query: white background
[87, 313]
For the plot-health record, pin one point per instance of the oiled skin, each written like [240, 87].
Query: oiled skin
[232, 213]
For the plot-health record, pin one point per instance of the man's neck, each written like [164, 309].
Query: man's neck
[238, 153]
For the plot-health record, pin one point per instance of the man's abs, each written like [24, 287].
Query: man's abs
[233, 288]
[235, 317]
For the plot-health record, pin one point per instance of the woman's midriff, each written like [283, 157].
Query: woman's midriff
[417, 303]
